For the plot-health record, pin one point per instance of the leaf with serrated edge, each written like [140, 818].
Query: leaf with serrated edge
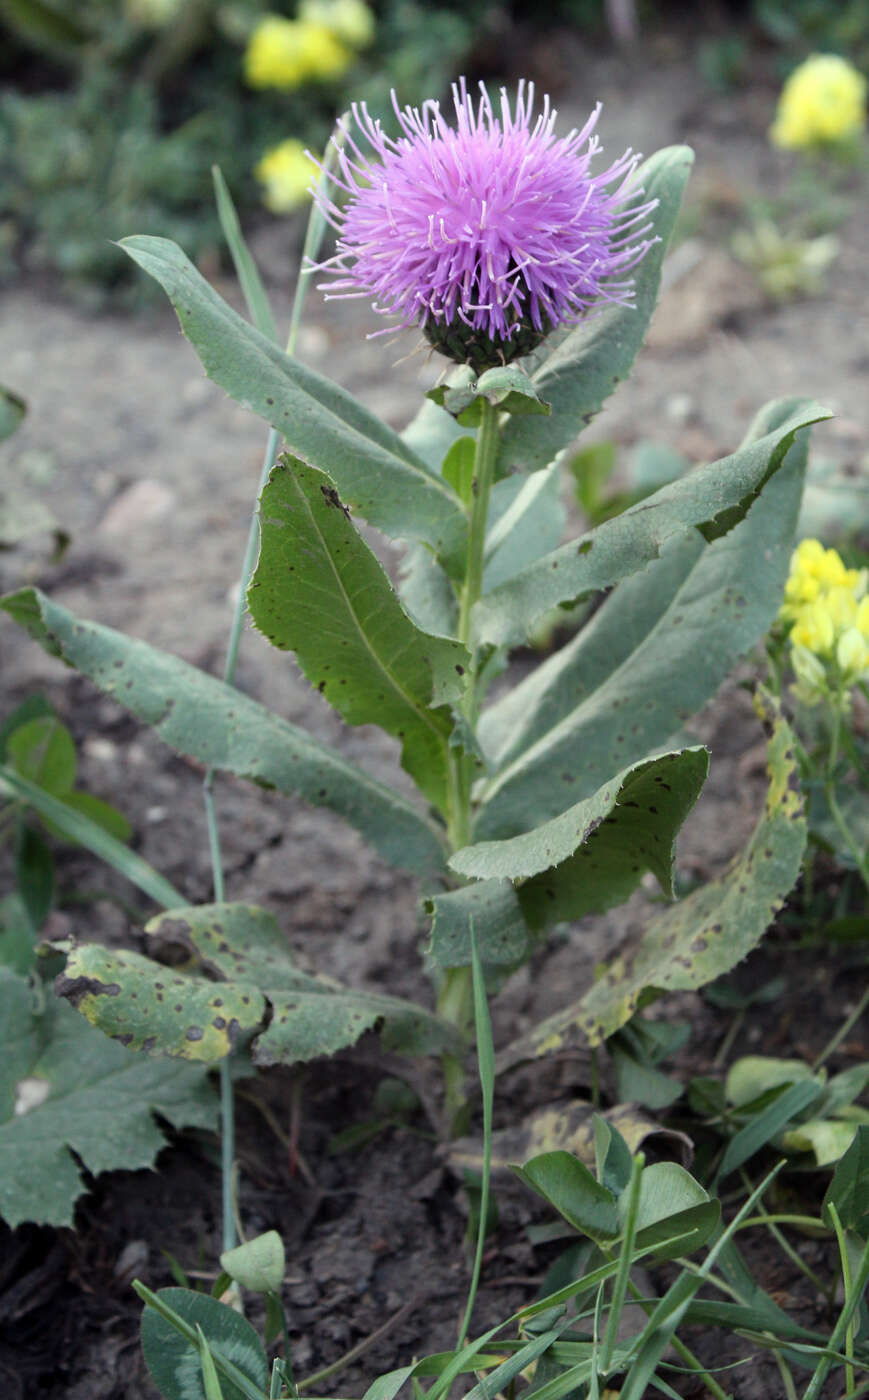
[153, 1008]
[95, 1100]
[319, 591]
[595, 854]
[499, 929]
[199, 716]
[376, 472]
[721, 491]
[655, 652]
[704, 935]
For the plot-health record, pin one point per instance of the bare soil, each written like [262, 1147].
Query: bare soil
[152, 470]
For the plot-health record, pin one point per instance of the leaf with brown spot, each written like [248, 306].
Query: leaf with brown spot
[730, 915]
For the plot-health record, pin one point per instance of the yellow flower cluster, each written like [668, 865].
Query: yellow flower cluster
[827, 610]
[286, 172]
[317, 46]
[823, 102]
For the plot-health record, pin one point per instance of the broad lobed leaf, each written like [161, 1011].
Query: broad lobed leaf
[319, 591]
[211, 722]
[492, 908]
[87, 1096]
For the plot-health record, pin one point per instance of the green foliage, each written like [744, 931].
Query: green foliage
[319, 590]
[376, 474]
[209, 721]
[239, 981]
[65, 1089]
[173, 1356]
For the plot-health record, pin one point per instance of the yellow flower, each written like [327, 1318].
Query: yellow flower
[284, 53]
[814, 629]
[823, 102]
[286, 172]
[852, 654]
[351, 21]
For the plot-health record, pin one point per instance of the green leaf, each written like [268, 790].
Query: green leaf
[17, 937]
[173, 1360]
[12, 412]
[705, 934]
[596, 853]
[585, 366]
[319, 591]
[78, 1092]
[753, 1075]
[764, 1126]
[34, 707]
[239, 979]
[34, 875]
[101, 813]
[377, 474]
[612, 1156]
[849, 1189]
[149, 1007]
[214, 724]
[71, 825]
[246, 269]
[42, 751]
[655, 652]
[431, 434]
[526, 519]
[673, 1204]
[258, 1264]
[569, 1186]
[828, 1138]
[715, 498]
[492, 907]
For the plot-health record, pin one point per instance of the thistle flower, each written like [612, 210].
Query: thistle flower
[823, 102]
[487, 234]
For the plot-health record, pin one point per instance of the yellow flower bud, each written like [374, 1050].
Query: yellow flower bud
[810, 673]
[852, 654]
[822, 102]
[814, 629]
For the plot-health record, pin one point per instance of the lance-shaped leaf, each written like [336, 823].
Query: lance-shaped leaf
[319, 591]
[492, 908]
[211, 722]
[239, 978]
[65, 1089]
[704, 935]
[656, 651]
[595, 854]
[714, 497]
[583, 368]
[376, 472]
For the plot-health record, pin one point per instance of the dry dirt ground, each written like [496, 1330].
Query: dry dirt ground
[151, 471]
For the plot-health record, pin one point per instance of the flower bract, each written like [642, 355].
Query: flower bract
[489, 232]
[823, 102]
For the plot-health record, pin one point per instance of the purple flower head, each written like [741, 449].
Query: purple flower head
[487, 234]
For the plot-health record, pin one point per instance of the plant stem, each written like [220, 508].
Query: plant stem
[681, 1348]
[836, 1040]
[847, 1281]
[455, 1000]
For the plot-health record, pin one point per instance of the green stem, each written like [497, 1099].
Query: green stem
[847, 1281]
[227, 1108]
[681, 1348]
[455, 999]
[835, 1041]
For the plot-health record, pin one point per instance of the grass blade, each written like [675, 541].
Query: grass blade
[246, 269]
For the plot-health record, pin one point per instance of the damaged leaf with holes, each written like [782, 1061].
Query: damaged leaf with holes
[233, 982]
[704, 935]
